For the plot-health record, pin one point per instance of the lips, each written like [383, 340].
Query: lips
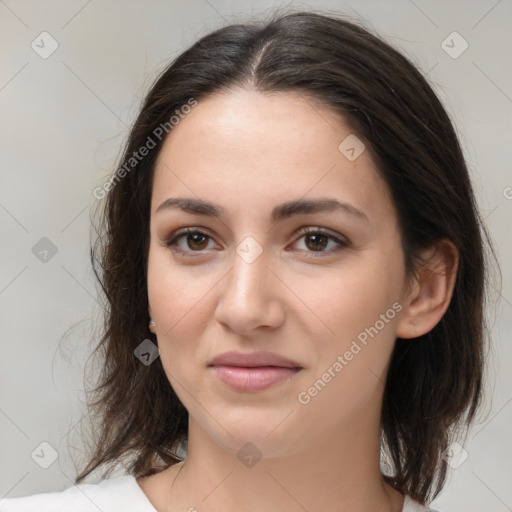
[253, 359]
[251, 372]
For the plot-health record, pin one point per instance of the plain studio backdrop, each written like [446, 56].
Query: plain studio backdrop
[72, 77]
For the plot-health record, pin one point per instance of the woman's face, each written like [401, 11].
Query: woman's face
[248, 278]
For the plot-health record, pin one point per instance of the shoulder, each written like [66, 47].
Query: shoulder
[122, 493]
[413, 506]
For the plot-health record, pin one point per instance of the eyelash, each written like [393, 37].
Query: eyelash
[173, 239]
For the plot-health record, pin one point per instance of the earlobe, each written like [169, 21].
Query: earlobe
[432, 291]
[151, 321]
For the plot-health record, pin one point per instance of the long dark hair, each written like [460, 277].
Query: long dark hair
[434, 383]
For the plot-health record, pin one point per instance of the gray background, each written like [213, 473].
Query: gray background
[64, 119]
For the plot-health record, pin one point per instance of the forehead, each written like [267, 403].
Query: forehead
[261, 148]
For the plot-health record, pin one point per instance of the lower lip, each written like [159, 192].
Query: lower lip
[253, 379]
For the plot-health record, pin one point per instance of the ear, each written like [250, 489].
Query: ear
[151, 323]
[430, 290]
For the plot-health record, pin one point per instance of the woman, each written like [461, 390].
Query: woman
[293, 226]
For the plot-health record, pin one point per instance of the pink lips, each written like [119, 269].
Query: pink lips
[254, 371]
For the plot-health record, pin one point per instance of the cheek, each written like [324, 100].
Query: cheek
[345, 301]
[174, 302]
[354, 308]
[175, 293]
[352, 342]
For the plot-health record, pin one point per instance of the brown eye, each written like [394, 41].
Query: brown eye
[317, 242]
[188, 241]
[196, 241]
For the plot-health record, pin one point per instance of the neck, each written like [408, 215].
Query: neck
[321, 476]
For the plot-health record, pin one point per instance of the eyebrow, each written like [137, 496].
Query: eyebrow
[279, 213]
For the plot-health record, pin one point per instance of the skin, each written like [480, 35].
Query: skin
[248, 152]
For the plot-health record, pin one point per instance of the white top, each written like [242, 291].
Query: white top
[121, 493]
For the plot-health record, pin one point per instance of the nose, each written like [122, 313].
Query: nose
[250, 297]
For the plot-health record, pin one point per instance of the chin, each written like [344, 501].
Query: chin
[261, 434]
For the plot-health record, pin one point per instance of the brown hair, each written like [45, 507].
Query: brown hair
[434, 383]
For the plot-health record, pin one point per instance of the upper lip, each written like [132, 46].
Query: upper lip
[253, 359]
